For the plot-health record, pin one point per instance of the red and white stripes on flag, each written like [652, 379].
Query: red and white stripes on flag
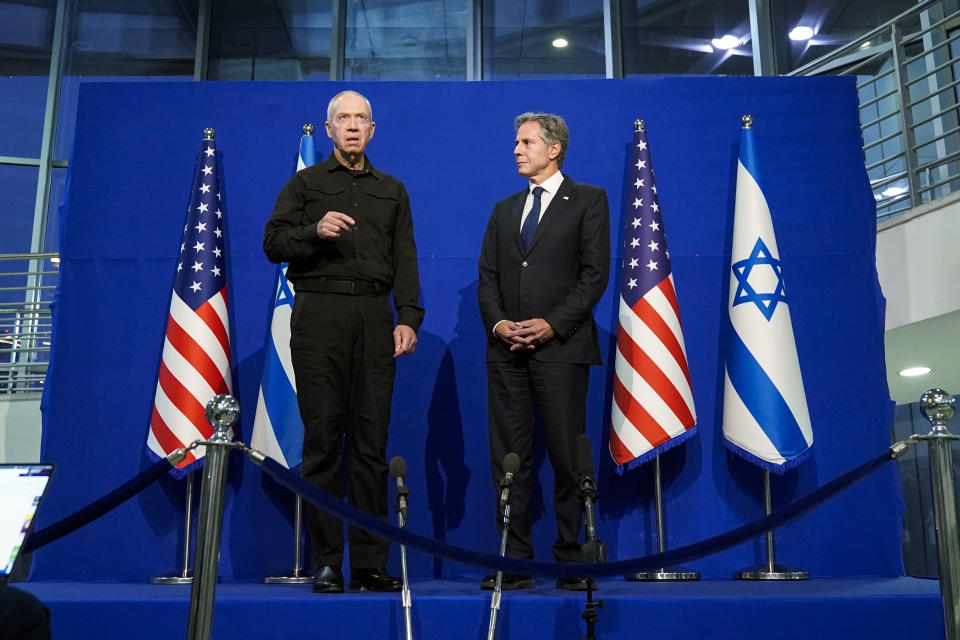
[652, 407]
[195, 365]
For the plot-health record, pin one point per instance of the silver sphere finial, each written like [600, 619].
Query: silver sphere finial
[222, 411]
[937, 406]
[208, 134]
[308, 129]
[639, 125]
[746, 121]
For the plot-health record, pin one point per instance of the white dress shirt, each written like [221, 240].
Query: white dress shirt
[550, 187]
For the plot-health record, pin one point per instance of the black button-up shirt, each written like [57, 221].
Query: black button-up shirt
[380, 248]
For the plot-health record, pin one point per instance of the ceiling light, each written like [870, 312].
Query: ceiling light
[889, 192]
[560, 43]
[865, 45]
[55, 260]
[726, 42]
[910, 372]
[801, 33]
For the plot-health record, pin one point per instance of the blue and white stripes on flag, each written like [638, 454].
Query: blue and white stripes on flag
[765, 416]
[277, 427]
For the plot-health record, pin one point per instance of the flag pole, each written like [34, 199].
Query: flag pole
[674, 574]
[185, 576]
[771, 570]
[297, 575]
[306, 158]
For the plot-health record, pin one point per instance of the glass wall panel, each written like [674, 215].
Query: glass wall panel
[543, 39]
[26, 32]
[124, 41]
[830, 24]
[18, 184]
[407, 40]
[693, 37]
[270, 40]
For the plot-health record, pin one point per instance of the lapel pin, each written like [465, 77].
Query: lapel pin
[566, 197]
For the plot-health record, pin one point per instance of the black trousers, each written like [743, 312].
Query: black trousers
[559, 391]
[342, 352]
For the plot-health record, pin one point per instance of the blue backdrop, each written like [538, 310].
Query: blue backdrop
[134, 156]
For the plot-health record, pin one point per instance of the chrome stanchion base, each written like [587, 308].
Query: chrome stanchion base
[294, 577]
[779, 572]
[172, 579]
[671, 574]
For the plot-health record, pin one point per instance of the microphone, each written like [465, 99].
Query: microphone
[511, 464]
[398, 470]
[593, 549]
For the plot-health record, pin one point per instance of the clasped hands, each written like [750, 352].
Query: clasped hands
[526, 334]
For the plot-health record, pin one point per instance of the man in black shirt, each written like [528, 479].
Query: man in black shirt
[346, 230]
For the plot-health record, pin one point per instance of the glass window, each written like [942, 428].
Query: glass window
[26, 34]
[686, 37]
[124, 42]
[543, 39]
[270, 40]
[18, 184]
[424, 40]
[829, 24]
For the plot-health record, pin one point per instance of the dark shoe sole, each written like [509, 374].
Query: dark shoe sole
[575, 586]
[356, 585]
[330, 588]
[511, 586]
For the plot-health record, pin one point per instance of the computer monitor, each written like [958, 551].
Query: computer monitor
[22, 487]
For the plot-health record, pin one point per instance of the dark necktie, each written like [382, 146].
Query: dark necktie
[530, 224]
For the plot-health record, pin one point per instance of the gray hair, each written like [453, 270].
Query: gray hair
[332, 105]
[552, 129]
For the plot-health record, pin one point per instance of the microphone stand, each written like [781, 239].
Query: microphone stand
[497, 590]
[402, 493]
[592, 550]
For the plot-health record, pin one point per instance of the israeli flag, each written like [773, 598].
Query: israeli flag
[277, 428]
[765, 416]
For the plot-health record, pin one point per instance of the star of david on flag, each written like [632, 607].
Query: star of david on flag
[765, 415]
[652, 407]
[277, 427]
[195, 365]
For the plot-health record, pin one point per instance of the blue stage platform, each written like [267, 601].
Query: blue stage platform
[824, 609]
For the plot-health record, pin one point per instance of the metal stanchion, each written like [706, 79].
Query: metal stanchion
[771, 570]
[298, 575]
[185, 576]
[938, 407]
[663, 573]
[222, 411]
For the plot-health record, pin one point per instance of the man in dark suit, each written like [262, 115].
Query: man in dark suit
[543, 266]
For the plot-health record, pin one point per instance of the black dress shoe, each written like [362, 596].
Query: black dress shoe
[328, 580]
[373, 580]
[575, 584]
[510, 582]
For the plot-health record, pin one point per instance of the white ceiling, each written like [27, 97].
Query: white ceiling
[933, 343]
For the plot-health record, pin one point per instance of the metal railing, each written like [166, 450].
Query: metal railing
[27, 283]
[908, 72]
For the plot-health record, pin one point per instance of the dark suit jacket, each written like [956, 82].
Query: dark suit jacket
[559, 278]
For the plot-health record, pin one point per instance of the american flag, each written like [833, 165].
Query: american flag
[196, 348]
[652, 407]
